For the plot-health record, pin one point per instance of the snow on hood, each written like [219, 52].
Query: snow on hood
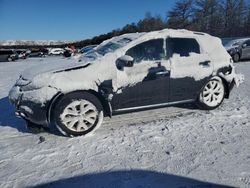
[52, 66]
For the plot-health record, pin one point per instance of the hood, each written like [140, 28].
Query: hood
[55, 66]
[229, 47]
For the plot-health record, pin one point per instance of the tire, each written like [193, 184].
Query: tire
[78, 114]
[236, 57]
[212, 94]
[9, 59]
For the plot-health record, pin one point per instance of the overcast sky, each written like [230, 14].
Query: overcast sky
[72, 19]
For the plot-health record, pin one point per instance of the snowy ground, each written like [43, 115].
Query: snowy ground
[169, 147]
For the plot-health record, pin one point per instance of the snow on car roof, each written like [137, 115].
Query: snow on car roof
[143, 35]
[125, 38]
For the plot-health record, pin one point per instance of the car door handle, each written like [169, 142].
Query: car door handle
[163, 73]
[205, 63]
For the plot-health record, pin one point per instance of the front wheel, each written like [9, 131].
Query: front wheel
[236, 57]
[78, 114]
[212, 94]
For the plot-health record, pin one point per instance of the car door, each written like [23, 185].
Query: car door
[246, 50]
[190, 68]
[147, 81]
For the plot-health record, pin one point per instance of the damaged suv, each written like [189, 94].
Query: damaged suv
[126, 73]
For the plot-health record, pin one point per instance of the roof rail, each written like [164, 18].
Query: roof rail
[198, 33]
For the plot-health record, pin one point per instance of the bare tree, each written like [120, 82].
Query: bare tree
[235, 14]
[208, 16]
[181, 15]
[150, 23]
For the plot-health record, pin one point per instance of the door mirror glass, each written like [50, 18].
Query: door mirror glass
[244, 45]
[125, 61]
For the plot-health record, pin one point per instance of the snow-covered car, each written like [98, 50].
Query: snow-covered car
[126, 73]
[239, 49]
[56, 51]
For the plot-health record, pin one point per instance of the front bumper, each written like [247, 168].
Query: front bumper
[29, 106]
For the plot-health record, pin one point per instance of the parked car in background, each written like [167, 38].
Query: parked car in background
[131, 72]
[22, 53]
[8, 55]
[239, 49]
[68, 52]
[87, 49]
[45, 51]
[56, 51]
[36, 53]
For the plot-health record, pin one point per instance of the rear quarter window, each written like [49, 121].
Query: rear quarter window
[182, 46]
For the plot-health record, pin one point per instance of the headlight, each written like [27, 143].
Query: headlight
[28, 85]
[22, 82]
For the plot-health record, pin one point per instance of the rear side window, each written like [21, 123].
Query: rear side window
[182, 46]
[147, 51]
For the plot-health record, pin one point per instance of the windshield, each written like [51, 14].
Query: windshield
[109, 47]
[116, 43]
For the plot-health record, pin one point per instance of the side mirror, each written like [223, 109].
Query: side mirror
[244, 45]
[125, 61]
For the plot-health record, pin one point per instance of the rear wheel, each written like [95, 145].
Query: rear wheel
[78, 114]
[212, 94]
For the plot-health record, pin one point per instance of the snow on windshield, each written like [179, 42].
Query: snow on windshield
[116, 43]
[110, 47]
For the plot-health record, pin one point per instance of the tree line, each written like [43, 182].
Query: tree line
[221, 18]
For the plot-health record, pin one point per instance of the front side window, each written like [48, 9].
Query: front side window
[147, 51]
[182, 46]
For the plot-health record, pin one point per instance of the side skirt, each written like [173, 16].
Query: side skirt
[123, 110]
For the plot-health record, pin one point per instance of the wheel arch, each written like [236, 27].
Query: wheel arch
[226, 86]
[105, 104]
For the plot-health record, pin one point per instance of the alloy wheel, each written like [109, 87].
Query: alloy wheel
[213, 93]
[79, 116]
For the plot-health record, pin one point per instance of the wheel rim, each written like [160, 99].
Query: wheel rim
[79, 116]
[213, 93]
